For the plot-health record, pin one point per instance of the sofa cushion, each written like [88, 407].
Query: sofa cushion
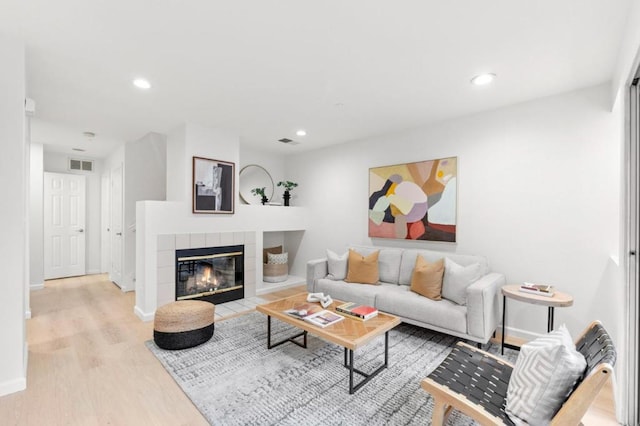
[544, 375]
[337, 265]
[388, 261]
[409, 260]
[457, 279]
[427, 278]
[364, 294]
[362, 269]
[401, 301]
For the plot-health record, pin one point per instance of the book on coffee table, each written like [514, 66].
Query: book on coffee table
[324, 318]
[302, 311]
[321, 318]
[362, 312]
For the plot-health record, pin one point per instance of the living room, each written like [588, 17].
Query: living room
[541, 192]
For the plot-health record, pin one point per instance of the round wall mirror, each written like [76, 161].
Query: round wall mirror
[254, 176]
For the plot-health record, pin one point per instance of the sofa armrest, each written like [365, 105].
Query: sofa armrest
[483, 306]
[317, 268]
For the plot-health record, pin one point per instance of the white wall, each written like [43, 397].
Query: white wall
[192, 140]
[145, 165]
[36, 226]
[58, 163]
[13, 190]
[628, 55]
[272, 163]
[538, 195]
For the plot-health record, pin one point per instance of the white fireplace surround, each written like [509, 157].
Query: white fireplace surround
[169, 243]
[162, 227]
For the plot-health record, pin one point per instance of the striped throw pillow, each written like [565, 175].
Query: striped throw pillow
[545, 373]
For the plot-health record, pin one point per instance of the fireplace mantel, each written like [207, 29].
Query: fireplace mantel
[162, 226]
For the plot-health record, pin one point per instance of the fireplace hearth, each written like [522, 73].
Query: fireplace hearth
[214, 274]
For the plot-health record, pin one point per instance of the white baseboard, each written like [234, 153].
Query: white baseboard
[27, 314]
[11, 386]
[292, 281]
[36, 286]
[26, 359]
[93, 272]
[519, 333]
[143, 316]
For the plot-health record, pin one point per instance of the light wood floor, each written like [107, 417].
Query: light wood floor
[88, 364]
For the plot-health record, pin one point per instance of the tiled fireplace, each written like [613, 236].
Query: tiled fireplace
[205, 249]
[214, 274]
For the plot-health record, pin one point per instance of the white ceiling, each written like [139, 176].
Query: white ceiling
[341, 69]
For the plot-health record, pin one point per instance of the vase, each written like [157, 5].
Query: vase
[286, 196]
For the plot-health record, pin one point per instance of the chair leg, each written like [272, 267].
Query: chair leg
[440, 412]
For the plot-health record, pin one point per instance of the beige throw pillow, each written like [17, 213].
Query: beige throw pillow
[362, 269]
[427, 278]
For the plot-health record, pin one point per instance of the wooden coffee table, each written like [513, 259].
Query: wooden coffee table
[349, 333]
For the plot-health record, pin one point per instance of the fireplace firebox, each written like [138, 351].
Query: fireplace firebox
[214, 274]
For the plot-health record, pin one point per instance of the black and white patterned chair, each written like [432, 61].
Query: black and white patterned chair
[475, 382]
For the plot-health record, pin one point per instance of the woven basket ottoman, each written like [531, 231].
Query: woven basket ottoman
[183, 324]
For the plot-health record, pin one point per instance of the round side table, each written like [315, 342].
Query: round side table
[512, 291]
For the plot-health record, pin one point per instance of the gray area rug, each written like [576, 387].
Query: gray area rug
[235, 380]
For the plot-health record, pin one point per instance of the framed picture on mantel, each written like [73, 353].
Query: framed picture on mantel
[213, 186]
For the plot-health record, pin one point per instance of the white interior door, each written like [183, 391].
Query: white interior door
[64, 225]
[105, 224]
[115, 273]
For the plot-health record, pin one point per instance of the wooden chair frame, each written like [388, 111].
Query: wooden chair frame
[599, 353]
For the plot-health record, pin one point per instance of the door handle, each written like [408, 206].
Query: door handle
[80, 230]
[118, 233]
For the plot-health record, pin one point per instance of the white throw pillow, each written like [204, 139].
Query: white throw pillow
[545, 373]
[337, 265]
[456, 280]
[277, 259]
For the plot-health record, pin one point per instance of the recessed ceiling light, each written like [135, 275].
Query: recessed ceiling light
[483, 79]
[89, 135]
[141, 83]
[78, 149]
[301, 133]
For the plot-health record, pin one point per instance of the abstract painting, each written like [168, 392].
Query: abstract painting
[414, 201]
[213, 186]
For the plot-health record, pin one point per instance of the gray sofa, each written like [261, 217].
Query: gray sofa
[476, 320]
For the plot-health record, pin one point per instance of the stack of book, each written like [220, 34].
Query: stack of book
[539, 289]
[354, 310]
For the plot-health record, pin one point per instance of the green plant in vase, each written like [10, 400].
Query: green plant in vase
[260, 192]
[288, 186]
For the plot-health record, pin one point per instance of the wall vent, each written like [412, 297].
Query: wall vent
[288, 141]
[81, 165]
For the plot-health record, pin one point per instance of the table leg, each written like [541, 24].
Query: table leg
[348, 363]
[550, 319]
[302, 334]
[504, 316]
